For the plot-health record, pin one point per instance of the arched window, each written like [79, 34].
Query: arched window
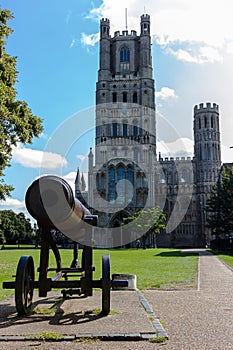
[124, 96]
[124, 59]
[205, 121]
[114, 97]
[130, 174]
[212, 122]
[120, 173]
[135, 130]
[129, 189]
[125, 130]
[199, 120]
[111, 184]
[114, 129]
[135, 97]
[120, 184]
[124, 55]
[184, 176]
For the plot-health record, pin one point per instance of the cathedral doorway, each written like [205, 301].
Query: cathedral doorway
[121, 236]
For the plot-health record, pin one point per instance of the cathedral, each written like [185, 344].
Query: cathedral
[125, 172]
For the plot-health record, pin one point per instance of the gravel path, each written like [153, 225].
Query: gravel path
[199, 319]
[194, 319]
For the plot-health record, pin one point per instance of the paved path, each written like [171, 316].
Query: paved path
[203, 318]
[200, 319]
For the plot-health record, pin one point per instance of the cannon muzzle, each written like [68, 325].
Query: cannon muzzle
[50, 201]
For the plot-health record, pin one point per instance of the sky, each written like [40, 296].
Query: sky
[56, 43]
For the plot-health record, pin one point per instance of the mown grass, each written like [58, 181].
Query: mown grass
[154, 268]
[226, 257]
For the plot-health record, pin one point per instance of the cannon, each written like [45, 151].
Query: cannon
[51, 202]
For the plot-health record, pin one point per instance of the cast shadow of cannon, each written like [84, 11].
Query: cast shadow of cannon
[49, 310]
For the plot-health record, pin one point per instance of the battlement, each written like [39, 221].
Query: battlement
[145, 16]
[125, 33]
[206, 108]
[104, 21]
[176, 159]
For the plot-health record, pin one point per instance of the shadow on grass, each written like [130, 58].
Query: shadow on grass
[176, 254]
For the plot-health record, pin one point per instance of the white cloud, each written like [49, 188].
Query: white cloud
[208, 23]
[166, 93]
[205, 54]
[180, 147]
[70, 178]
[81, 157]
[37, 159]
[230, 47]
[73, 42]
[91, 39]
[227, 154]
[185, 147]
[16, 205]
[11, 203]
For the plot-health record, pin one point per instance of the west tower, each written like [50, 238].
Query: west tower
[125, 143]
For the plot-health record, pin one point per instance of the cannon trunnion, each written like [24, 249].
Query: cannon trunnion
[51, 202]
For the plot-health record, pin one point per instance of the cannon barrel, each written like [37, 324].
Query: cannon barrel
[50, 201]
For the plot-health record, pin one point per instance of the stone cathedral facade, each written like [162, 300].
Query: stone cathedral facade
[125, 172]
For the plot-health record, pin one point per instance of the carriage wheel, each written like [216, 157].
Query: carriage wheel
[106, 284]
[24, 285]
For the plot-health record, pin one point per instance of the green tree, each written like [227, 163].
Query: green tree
[14, 227]
[147, 221]
[17, 123]
[219, 205]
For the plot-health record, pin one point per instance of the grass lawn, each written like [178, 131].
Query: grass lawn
[155, 268]
[227, 258]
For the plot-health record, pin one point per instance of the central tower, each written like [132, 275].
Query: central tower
[125, 142]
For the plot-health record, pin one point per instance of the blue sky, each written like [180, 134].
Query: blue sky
[56, 43]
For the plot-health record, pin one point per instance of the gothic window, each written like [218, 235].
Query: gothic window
[205, 121]
[130, 181]
[108, 130]
[120, 184]
[124, 58]
[130, 174]
[124, 96]
[114, 129]
[120, 173]
[135, 97]
[199, 120]
[184, 176]
[111, 184]
[114, 97]
[212, 122]
[145, 98]
[124, 55]
[125, 131]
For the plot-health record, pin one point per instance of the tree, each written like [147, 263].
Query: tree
[14, 227]
[17, 123]
[219, 205]
[146, 222]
